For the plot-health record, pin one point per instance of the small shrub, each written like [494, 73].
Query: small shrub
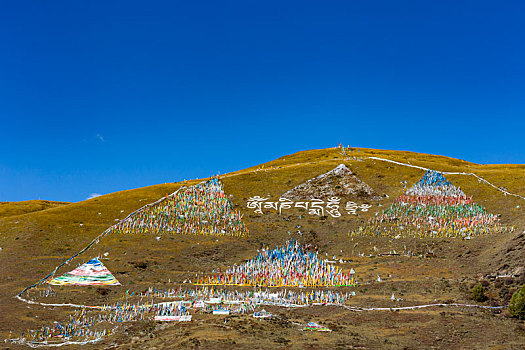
[102, 291]
[478, 294]
[517, 304]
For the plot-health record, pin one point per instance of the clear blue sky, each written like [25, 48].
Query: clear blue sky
[101, 96]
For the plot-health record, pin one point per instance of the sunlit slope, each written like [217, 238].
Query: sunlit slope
[24, 207]
[34, 243]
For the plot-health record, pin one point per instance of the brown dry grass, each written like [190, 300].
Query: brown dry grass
[34, 243]
[24, 207]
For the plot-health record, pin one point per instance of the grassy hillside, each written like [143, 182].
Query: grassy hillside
[24, 207]
[35, 241]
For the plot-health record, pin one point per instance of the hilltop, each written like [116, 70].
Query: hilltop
[34, 241]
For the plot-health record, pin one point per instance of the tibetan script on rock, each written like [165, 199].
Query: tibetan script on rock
[313, 207]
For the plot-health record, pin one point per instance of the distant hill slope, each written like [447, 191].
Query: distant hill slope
[24, 207]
